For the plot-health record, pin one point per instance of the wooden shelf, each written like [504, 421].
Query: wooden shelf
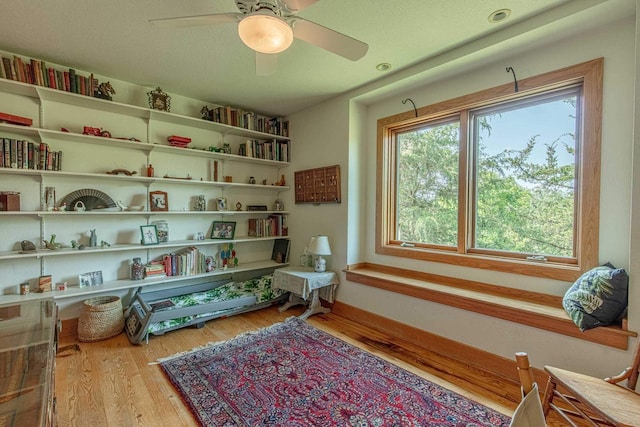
[53, 95]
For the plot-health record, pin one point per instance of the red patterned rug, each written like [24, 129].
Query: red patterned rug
[292, 374]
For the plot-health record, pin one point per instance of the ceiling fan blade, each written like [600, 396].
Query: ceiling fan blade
[329, 39]
[187, 21]
[266, 64]
[296, 6]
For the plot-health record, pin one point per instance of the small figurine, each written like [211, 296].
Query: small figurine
[206, 113]
[74, 244]
[104, 91]
[201, 203]
[104, 243]
[79, 206]
[27, 245]
[51, 244]
[281, 182]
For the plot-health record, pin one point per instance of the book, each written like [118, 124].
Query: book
[160, 305]
[45, 74]
[72, 80]
[17, 62]
[6, 64]
[67, 81]
[14, 153]
[44, 283]
[52, 78]
[14, 119]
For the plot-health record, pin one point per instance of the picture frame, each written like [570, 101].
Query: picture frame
[159, 100]
[223, 230]
[149, 235]
[93, 278]
[158, 201]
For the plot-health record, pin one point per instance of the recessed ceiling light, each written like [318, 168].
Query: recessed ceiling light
[499, 15]
[384, 66]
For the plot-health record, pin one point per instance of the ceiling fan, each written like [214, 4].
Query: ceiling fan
[269, 26]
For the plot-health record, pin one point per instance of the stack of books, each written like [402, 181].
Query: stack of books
[154, 269]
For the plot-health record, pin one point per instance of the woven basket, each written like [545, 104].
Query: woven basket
[101, 318]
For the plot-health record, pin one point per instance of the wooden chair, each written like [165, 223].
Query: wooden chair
[594, 401]
[529, 412]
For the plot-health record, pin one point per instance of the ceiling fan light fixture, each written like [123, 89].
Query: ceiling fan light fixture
[265, 33]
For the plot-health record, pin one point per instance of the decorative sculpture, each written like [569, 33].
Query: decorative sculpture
[51, 243]
[104, 91]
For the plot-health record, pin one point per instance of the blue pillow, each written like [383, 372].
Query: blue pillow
[598, 298]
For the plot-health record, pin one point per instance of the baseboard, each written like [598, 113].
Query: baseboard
[471, 356]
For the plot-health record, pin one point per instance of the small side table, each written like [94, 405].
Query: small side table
[302, 283]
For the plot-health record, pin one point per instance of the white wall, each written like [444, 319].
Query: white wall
[616, 43]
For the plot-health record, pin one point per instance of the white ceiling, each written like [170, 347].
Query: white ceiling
[114, 38]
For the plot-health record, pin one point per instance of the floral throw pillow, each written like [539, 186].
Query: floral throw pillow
[598, 298]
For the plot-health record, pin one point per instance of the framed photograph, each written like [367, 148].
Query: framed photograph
[221, 203]
[93, 278]
[199, 235]
[149, 234]
[223, 230]
[158, 201]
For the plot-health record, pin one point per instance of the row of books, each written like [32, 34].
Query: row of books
[248, 120]
[36, 72]
[21, 154]
[274, 225]
[188, 261]
[269, 150]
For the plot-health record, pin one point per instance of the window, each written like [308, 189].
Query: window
[498, 180]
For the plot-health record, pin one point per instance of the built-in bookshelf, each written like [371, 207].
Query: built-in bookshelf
[183, 173]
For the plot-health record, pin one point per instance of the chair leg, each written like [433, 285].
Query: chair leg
[548, 396]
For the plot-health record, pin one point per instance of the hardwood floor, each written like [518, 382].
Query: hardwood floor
[115, 383]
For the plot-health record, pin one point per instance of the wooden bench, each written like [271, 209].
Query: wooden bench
[533, 309]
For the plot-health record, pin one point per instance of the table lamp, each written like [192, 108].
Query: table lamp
[319, 245]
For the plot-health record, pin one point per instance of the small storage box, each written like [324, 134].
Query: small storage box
[9, 201]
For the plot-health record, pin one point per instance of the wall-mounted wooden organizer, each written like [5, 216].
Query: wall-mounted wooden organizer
[320, 185]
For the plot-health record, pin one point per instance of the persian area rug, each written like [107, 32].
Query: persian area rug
[292, 374]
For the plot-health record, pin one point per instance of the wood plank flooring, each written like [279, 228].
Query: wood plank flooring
[115, 383]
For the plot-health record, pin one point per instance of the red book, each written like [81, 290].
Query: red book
[52, 78]
[67, 81]
[176, 138]
[18, 120]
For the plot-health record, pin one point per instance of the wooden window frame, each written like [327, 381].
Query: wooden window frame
[588, 74]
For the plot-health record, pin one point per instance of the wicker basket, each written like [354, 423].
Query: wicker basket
[101, 318]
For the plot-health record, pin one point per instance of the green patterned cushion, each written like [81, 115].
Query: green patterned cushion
[598, 297]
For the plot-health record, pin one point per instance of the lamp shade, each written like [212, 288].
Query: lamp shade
[265, 33]
[319, 245]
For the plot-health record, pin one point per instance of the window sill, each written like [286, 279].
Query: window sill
[533, 309]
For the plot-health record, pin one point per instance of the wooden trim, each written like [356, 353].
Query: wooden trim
[472, 356]
[533, 309]
[590, 75]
